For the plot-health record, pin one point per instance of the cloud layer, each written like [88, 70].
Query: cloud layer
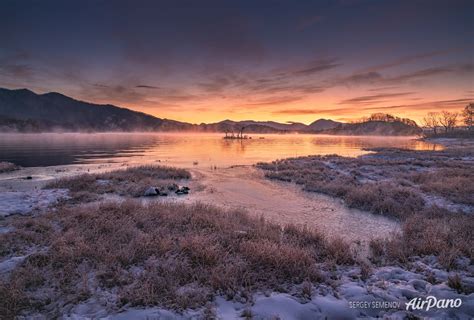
[210, 60]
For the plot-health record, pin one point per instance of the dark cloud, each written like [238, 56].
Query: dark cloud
[383, 88]
[318, 66]
[408, 59]
[182, 53]
[429, 105]
[313, 111]
[272, 101]
[467, 68]
[16, 65]
[362, 78]
[376, 78]
[114, 93]
[143, 86]
[272, 82]
[429, 72]
[21, 71]
[218, 83]
[374, 98]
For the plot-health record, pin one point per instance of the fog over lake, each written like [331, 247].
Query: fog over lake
[184, 149]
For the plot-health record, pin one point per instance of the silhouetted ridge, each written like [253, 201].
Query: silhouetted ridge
[22, 110]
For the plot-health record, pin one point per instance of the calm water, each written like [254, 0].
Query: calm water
[182, 149]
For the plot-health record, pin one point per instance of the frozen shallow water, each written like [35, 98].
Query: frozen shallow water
[245, 188]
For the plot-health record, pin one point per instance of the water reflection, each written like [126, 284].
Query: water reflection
[183, 149]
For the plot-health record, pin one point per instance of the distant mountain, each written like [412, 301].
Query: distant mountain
[376, 128]
[324, 124]
[24, 110]
[250, 126]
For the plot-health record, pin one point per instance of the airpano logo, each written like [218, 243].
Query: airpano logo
[431, 302]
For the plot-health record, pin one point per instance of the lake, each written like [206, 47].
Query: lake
[183, 149]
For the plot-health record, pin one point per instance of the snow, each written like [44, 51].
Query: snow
[386, 292]
[7, 229]
[10, 264]
[21, 202]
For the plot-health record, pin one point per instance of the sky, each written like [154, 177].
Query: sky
[206, 61]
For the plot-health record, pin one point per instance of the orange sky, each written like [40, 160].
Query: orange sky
[206, 61]
[342, 104]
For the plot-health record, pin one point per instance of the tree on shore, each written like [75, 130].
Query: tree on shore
[386, 117]
[448, 120]
[431, 121]
[468, 115]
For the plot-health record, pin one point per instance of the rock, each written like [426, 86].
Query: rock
[173, 187]
[182, 190]
[151, 191]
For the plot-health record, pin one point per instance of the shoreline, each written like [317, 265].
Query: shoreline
[246, 188]
[451, 142]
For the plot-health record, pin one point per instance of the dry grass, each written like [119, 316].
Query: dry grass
[391, 182]
[171, 255]
[132, 182]
[454, 184]
[432, 232]
[401, 184]
[455, 282]
[7, 167]
[12, 300]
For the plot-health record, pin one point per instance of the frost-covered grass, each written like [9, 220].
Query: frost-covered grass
[391, 182]
[132, 182]
[7, 167]
[164, 254]
[431, 192]
[438, 233]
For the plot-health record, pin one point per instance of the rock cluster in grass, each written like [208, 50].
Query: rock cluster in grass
[137, 181]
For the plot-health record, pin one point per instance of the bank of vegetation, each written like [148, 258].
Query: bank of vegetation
[430, 192]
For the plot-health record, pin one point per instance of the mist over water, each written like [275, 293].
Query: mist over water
[183, 149]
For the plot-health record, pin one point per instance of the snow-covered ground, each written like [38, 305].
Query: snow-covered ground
[25, 202]
[240, 187]
[385, 293]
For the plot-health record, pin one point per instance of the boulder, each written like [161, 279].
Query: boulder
[173, 187]
[182, 190]
[151, 191]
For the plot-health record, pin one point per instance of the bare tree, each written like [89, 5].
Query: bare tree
[453, 120]
[431, 121]
[468, 115]
[448, 120]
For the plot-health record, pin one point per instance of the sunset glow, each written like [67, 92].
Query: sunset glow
[213, 60]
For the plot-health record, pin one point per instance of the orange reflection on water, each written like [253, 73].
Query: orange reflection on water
[213, 150]
[185, 149]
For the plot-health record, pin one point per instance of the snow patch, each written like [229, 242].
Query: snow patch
[10, 264]
[18, 202]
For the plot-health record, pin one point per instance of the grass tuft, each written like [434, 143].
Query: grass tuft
[7, 167]
[165, 254]
[132, 182]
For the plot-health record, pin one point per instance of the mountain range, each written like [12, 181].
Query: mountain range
[22, 110]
